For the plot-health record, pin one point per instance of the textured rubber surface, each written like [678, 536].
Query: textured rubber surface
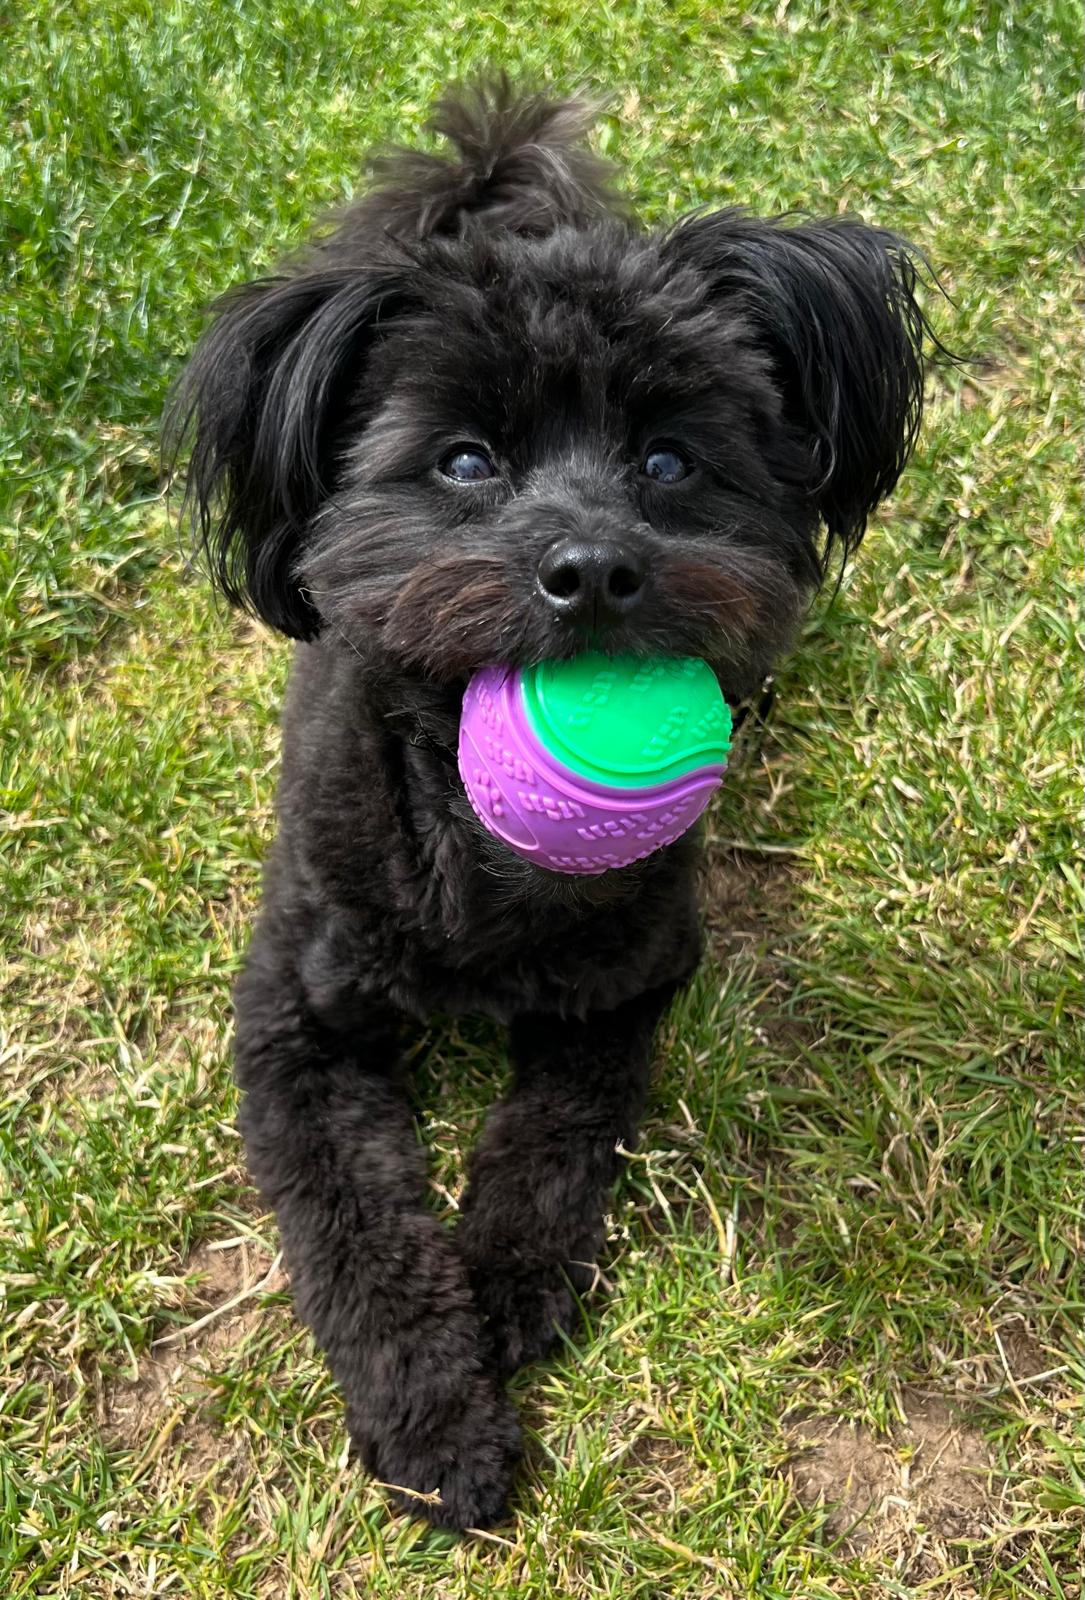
[629, 720]
[554, 815]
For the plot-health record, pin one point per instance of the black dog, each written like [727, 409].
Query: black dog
[488, 418]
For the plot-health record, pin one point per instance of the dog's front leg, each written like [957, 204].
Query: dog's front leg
[331, 1145]
[532, 1215]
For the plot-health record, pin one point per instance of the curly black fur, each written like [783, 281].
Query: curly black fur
[503, 298]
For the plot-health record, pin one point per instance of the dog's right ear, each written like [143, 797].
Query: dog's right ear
[263, 401]
[834, 306]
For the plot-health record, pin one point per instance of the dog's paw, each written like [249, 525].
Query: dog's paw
[523, 1310]
[453, 1464]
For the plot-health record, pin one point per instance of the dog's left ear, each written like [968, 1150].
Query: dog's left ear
[834, 304]
[264, 401]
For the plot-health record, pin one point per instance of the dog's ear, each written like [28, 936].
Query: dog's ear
[518, 161]
[263, 401]
[834, 303]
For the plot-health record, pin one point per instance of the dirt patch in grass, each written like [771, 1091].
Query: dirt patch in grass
[745, 898]
[169, 1394]
[905, 1498]
[661, 1473]
[1026, 1357]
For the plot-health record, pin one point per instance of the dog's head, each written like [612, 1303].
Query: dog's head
[489, 418]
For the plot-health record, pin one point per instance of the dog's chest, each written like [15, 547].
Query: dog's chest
[477, 942]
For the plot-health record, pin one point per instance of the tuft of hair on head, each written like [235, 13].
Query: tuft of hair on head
[519, 161]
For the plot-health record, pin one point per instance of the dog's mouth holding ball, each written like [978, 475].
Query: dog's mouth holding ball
[503, 598]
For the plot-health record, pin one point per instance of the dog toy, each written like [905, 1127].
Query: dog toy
[592, 763]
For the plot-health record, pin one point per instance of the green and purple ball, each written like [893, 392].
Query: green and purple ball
[592, 763]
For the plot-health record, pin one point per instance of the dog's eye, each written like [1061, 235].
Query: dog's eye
[468, 464]
[665, 464]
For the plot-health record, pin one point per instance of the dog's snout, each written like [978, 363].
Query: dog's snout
[592, 580]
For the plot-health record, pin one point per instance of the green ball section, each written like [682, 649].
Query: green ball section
[628, 720]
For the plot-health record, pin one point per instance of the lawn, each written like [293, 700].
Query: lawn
[843, 1267]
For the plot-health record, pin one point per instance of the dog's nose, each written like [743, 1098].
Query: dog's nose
[592, 580]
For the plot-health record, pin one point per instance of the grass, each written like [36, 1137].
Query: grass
[858, 1194]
